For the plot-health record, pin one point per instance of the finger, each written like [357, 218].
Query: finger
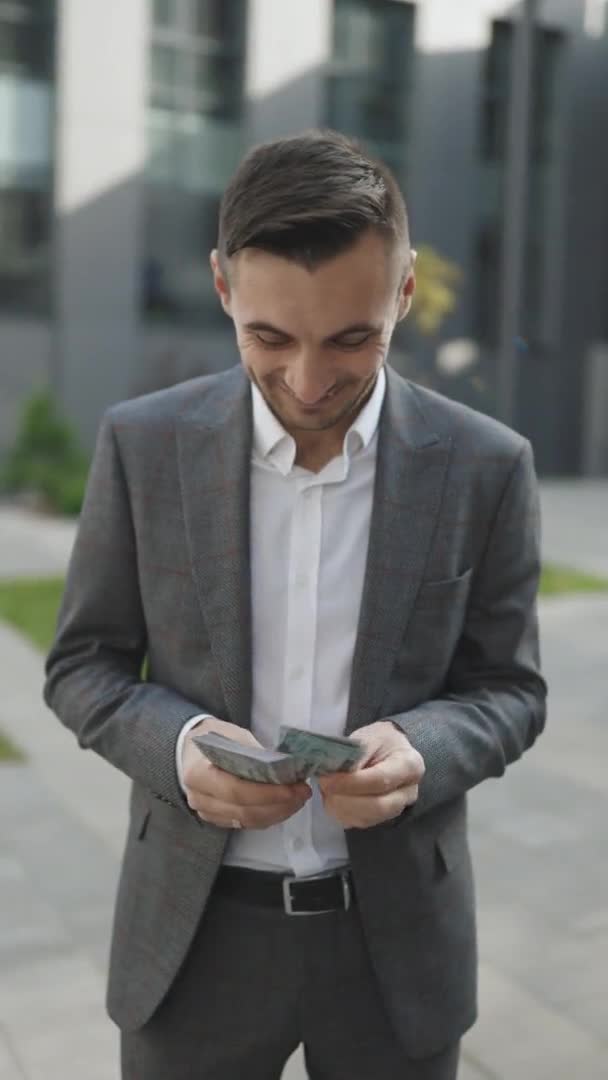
[362, 813]
[396, 770]
[227, 814]
[231, 789]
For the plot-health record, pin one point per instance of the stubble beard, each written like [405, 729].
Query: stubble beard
[349, 409]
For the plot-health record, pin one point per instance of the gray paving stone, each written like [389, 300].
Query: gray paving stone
[92, 791]
[519, 1037]
[575, 522]
[61, 880]
[9, 1068]
[591, 1014]
[53, 1015]
[33, 544]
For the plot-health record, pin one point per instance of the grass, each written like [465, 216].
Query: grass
[31, 606]
[561, 580]
[8, 752]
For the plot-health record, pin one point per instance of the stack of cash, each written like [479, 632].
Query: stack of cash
[299, 755]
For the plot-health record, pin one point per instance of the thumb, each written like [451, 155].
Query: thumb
[229, 731]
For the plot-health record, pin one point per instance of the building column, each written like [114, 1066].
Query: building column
[100, 154]
[515, 212]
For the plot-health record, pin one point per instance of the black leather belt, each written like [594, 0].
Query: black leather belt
[313, 895]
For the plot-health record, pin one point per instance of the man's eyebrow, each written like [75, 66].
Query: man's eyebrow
[356, 328]
[268, 327]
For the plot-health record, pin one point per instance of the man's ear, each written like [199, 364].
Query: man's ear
[220, 281]
[406, 296]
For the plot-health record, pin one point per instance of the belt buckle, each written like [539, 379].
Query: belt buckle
[288, 900]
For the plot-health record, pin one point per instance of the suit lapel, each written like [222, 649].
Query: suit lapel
[214, 450]
[410, 474]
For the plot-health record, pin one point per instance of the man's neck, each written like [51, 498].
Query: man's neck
[314, 449]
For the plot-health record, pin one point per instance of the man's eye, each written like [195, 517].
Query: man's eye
[352, 341]
[271, 339]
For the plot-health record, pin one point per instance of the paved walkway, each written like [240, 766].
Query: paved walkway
[538, 838]
[575, 523]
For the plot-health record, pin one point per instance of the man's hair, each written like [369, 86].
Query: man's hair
[309, 198]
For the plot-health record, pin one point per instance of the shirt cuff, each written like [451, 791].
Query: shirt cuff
[179, 746]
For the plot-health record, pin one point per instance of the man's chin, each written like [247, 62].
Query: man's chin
[310, 419]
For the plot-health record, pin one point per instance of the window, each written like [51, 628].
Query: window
[368, 89]
[544, 172]
[194, 135]
[543, 169]
[26, 90]
[496, 93]
[497, 72]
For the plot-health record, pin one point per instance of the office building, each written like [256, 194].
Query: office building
[120, 124]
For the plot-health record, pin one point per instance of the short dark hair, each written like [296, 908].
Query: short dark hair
[309, 198]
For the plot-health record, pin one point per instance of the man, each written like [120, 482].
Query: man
[310, 539]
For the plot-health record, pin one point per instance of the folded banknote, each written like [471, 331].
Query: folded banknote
[251, 762]
[323, 753]
[300, 754]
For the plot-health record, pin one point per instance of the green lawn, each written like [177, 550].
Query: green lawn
[31, 606]
[560, 580]
[8, 752]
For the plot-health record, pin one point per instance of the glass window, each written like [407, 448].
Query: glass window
[194, 135]
[496, 92]
[163, 71]
[368, 89]
[493, 135]
[543, 173]
[220, 23]
[26, 124]
[165, 13]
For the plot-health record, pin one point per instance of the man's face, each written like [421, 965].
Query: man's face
[313, 342]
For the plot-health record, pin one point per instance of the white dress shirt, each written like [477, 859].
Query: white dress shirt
[309, 540]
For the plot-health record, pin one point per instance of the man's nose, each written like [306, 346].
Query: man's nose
[308, 380]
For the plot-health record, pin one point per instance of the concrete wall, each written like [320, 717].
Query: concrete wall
[102, 55]
[288, 47]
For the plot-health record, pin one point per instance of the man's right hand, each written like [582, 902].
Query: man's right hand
[226, 800]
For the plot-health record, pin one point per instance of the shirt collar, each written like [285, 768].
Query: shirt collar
[273, 443]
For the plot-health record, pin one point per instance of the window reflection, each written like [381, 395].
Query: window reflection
[26, 90]
[194, 137]
[369, 86]
[543, 175]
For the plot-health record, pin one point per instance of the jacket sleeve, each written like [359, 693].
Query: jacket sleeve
[93, 671]
[493, 705]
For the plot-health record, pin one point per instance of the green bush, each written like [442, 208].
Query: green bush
[46, 459]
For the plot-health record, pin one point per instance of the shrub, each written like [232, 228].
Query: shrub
[46, 459]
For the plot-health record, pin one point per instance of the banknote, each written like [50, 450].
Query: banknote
[252, 762]
[323, 753]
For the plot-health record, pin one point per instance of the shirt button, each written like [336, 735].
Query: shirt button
[297, 844]
[301, 580]
[297, 672]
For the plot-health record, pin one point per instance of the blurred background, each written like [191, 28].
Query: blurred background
[120, 123]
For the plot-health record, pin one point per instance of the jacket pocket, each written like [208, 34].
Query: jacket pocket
[433, 630]
[451, 844]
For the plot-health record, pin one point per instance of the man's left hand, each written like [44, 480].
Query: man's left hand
[381, 786]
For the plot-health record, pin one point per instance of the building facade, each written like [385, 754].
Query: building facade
[121, 123]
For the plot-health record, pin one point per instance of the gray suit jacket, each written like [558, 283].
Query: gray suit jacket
[446, 645]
